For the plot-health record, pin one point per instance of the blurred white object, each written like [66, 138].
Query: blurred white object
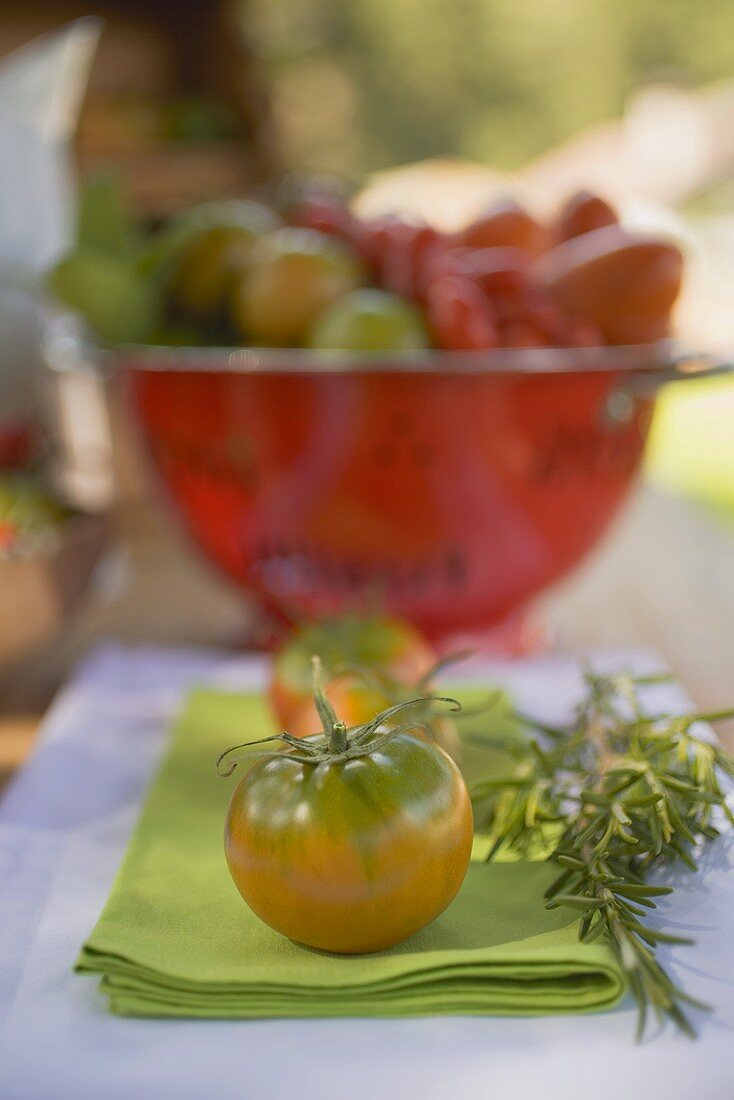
[80, 437]
[446, 192]
[41, 87]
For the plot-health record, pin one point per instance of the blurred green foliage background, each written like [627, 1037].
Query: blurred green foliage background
[359, 85]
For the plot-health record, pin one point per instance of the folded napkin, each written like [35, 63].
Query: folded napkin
[176, 939]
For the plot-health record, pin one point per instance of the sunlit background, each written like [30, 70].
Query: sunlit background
[363, 86]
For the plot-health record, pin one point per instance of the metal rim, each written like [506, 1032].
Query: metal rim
[302, 361]
[667, 359]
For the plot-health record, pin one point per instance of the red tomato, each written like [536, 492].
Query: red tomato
[499, 270]
[523, 334]
[327, 214]
[511, 307]
[625, 283]
[16, 445]
[378, 235]
[504, 225]
[460, 316]
[583, 213]
[396, 267]
[578, 333]
[495, 270]
[403, 256]
[427, 247]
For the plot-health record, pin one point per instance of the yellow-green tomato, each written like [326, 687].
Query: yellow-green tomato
[369, 320]
[356, 855]
[292, 275]
[115, 299]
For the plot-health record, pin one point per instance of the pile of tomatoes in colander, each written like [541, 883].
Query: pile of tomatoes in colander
[507, 280]
[238, 272]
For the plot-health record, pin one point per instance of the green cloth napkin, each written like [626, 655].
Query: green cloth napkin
[175, 938]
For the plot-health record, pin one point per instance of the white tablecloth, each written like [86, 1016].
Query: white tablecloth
[64, 824]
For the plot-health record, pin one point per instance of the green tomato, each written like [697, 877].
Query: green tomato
[200, 284]
[292, 275]
[116, 300]
[221, 237]
[169, 245]
[369, 320]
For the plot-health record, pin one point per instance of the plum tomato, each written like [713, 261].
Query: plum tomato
[292, 275]
[327, 214]
[583, 213]
[460, 315]
[523, 334]
[377, 642]
[498, 270]
[402, 255]
[624, 283]
[579, 333]
[506, 224]
[352, 840]
[377, 237]
[424, 245]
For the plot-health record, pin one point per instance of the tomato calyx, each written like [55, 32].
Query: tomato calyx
[337, 743]
[420, 692]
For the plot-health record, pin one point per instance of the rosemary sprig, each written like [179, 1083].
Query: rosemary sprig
[611, 798]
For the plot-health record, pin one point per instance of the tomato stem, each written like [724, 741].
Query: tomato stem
[325, 711]
[338, 742]
[338, 738]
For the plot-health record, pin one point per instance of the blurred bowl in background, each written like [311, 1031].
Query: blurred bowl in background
[54, 451]
[454, 486]
[21, 364]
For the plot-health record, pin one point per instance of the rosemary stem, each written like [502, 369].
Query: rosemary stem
[626, 792]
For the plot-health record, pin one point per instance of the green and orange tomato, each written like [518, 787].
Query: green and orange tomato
[346, 643]
[351, 841]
